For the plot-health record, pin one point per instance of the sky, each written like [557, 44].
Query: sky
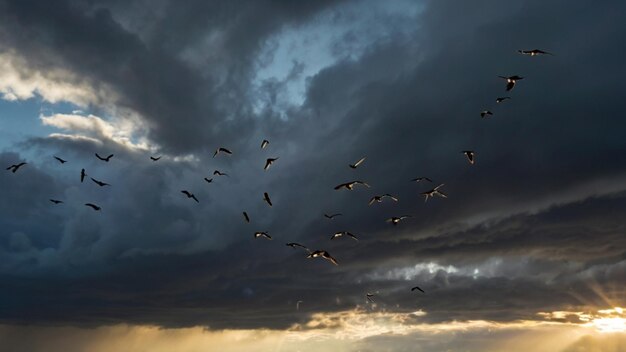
[527, 252]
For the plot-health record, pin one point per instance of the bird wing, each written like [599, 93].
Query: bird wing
[341, 186]
[417, 288]
[359, 162]
[245, 215]
[372, 201]
[352, 235]
[225, 150]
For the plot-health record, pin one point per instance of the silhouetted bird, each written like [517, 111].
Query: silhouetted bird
[93, 206]
[355, 165]
[420, 179]
[510, 81]
[104, 159]
[262, 234]
[501, 99]
[396, 219]
[343, 233]
[13, 168]
[332, 216]
[434, 192]
[99, 183]
[269, 163]
[82, 175]
[190, 195]
[298, 305]
[218, 173]
[222, 150]
[323, 254]
[534, 52]
[208, 180]
[60, 160]
[266, 197]
[350, 185]
[470, 156]
[379, 199]
[246, 217]
[485, 113]
[56, 201]
[155, 158]
[369, 297]
[264, 143]
[294, 245]
[417, 288]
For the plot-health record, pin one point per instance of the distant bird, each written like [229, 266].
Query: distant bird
[323, 254]
[510, 81]
[269, 163]
[246, 217]
[534, 52]
[420, 179]
[434, 192]
[262, 234]
[501, 99]
[379, 199]
[298, 305]
[56, 201]
[355, 165]
[350, 185]
[343, 233]
[104, 159]
[222, 150]
[485, 113]
[155, 158]
[60, 160]
[332, 216]
[294, 245]
[417, 288]
[208, 180]
[218, 173]
[15, 167]
[369, 297]
[93, 206]
[470, 156]
[264, 143]
[99, 183]
[190, 195]
[266, 197]
[82, 175]
[394, 220]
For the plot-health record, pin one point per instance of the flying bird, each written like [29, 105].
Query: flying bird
[434, 192]
[264, 143]
[93, 206]
[355, 165]
[534, 52]
[350, 185]
[222, 150]
[246, 217]
[99, 183]
[420, 179]
[510, 81]
[82, 175]
[501, 99]
[343, 233]
[104, 159]
[470, 156]
[269, 163]
[417, 288]
[485, 113]
[218, 173]
[262, 234]
[369, 297]
[332, 216]
[208, 180]
[56, 201]
[294, 245]
[190, 195]
[155, 158]
[266, 197]
[394, 220]
[15, 167]
[298, 305]
[323, 254]
[379, 199]
[60, 160]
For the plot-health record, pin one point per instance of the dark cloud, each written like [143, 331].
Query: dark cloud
[538, 215]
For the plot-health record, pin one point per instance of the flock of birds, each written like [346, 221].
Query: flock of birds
[511, 81]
